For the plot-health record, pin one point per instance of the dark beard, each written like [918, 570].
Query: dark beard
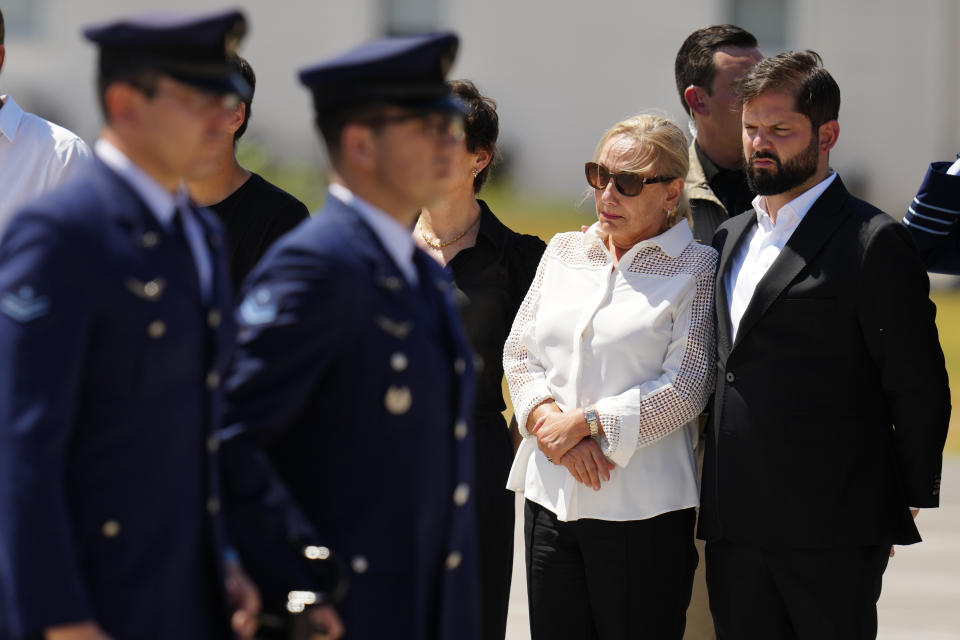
[787, 176]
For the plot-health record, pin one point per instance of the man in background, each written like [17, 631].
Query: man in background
[35, 155]
[708, 67]
[254, 212]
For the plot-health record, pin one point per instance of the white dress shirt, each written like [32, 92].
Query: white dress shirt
[761, 248]
[35, 156]
[954, 169]
[396, 238]
[163, 205]
[637, 341]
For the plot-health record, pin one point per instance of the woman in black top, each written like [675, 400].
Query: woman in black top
[493, 267]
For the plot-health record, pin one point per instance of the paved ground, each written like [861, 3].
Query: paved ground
[921, 590]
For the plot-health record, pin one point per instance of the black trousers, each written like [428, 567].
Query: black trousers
[794, 594]
[611, 580]
[495, 507]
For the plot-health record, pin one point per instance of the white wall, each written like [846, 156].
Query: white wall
[562, 73]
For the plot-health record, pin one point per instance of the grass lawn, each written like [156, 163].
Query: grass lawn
[948, 323]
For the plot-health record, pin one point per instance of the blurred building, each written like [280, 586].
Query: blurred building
[561, 71]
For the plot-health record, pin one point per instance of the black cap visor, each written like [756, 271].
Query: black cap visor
[232, 83]
[214, 77]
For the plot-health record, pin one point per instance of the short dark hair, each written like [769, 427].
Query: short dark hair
[800, 74]
[694, 64]
[3, 29]
[481, 125]
[243, 67]
[145, 81]
[331, 121]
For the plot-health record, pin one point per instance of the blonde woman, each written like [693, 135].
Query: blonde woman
[609, 362]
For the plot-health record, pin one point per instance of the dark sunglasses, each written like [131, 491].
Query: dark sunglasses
[627, 183]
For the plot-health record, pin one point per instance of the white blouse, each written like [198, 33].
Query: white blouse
[637, 341]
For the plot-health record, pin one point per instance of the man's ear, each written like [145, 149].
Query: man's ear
[358, 146]
[827, 136]
[238, 117]
[694, 97]
[123, 102]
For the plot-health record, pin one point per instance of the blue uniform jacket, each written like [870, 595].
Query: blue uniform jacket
[932, 219]
[359, 387]
[109, 391]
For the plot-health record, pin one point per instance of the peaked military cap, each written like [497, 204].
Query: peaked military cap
[408, 71]
[196, 49]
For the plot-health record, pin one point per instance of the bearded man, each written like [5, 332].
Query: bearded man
[832, 405]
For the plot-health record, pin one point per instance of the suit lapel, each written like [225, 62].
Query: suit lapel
[430, 306]
[127, 209]
[811, 235]
[727, 241]
[386, 274]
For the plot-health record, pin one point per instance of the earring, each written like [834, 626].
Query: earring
[475, 172]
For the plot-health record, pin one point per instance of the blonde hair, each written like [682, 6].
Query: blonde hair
[661, 150]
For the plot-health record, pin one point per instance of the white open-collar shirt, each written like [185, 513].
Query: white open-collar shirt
[35, 156]
[762, 246]
[637, 341]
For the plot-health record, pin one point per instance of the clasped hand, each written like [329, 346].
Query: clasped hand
[558, 432]
[564, 439]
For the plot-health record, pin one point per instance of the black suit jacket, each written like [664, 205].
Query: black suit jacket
[832, 404]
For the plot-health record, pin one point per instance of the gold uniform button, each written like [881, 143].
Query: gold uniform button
[214, 318]
[156, 329]
[359, 564]
[398, 361]
[460, 366]
[151, 289]
[213, 380]
[213, 443]
[398, 400]
[461, 494]
[454, 558]
[460, 429]
[110, 529]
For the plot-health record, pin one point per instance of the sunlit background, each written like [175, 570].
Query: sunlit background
[562, 72]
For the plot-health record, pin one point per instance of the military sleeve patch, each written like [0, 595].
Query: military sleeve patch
[23, 305]
[259, 307]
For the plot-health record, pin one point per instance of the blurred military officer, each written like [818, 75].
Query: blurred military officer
[932, 218]
[352, 370]
[114, 332]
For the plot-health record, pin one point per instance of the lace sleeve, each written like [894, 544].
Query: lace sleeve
[654, 409]
[521, 364]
